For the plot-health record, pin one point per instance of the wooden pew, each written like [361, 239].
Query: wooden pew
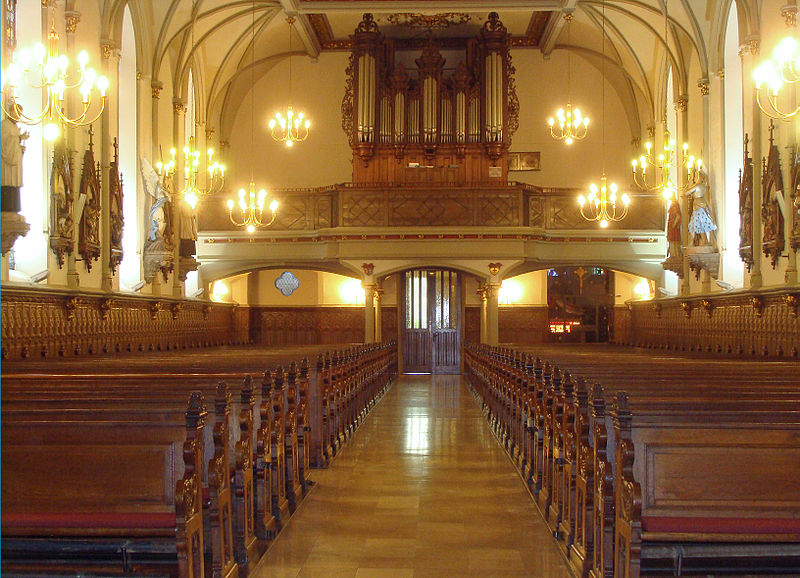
[576, 462]
[129, 495]
[703, 493]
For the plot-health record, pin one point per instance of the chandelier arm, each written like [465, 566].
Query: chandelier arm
[776, 113]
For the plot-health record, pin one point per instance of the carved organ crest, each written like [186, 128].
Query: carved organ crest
[398, 117]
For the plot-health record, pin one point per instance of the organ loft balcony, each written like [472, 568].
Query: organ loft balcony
[431, 218]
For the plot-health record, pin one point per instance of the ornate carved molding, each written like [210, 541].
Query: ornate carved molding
[757, 302]
[104, 306]
[178, 106]
[72, 19]
[708, 307]
[155, 308]
[157, 87]
[681, 103]
[703, 85]
[773, 237]
[746, 206]
[115, 211]
[89, 223]
[62, 226]
[686, 307]
[792, 301]
[12, 227]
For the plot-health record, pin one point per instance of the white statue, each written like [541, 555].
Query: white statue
[158, 245]
[11, 167]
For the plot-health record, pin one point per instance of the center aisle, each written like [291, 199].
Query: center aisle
[422, 489]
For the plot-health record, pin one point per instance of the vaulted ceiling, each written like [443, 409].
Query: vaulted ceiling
[216, 37]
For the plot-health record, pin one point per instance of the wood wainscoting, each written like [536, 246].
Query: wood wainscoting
[46, 322]
[762, 323]
[280, 326]
[519, 325]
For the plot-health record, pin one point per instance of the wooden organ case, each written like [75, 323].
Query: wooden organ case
[423, 126]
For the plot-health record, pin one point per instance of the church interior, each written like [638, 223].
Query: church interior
[400, 288]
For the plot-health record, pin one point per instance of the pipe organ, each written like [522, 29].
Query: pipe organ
[421, 124]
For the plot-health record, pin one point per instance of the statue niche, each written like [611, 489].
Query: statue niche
[746, 207]
[773, 240]
[407, 126]
[89, 194]
[62, 226]
[115, 211]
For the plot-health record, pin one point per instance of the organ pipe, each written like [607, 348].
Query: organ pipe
[472, 108]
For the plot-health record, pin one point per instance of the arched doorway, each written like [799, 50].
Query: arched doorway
[431, 321]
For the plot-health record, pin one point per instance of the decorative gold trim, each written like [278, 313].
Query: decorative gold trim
[494, 268]
[104, 306]
[72, 19]
[708, 306]
[107, 50]
[157, 88]
[686, 306]
[657, 308]
[70, 304]
[758, 305]
[178, 106]
[155, 308]
[793, 303]
[702, 84]
[681, 103]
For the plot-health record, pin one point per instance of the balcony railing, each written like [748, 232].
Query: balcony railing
[438, 205]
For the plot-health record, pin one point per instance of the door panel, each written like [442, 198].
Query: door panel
[432, 328]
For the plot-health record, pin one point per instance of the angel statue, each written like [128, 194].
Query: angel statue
[157, 253]
[700, 223]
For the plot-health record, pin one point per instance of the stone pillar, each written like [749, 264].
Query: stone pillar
[110, 128]
[751, 117]
[369, 311]
[378, 315]
[482, 294]
[179, 138]
[682, 130]
[492, 314]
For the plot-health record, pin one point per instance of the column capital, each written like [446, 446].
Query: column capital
[157, 87]
[178, 106]
[370, 288]
[72, 18]
[108, 50]
[379, 294]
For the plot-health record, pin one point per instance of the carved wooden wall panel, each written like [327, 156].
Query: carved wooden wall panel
[773, 237]
[523, 325]
[749, 323]
[472, 324]
[746, 207]
[389, 323]
[432, 205]
[62, 323]
[279, 326]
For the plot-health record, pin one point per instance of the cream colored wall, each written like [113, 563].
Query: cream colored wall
[541, 88]
[529, 289]
[624, 284]
[325, 158]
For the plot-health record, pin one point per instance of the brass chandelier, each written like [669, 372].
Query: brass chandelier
[781, 69]
[251, 205]
[289, 127]
[50, 71]
[571, 125]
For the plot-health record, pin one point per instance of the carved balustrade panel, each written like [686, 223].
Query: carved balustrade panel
[436, 205]
[61, 323]
[765, 323]
[282, 326]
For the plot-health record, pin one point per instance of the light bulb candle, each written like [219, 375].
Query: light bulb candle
[602, 204]
[571, 125]
[251, 208]
[51, 73]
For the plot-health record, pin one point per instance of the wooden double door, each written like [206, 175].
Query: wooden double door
[431, 321]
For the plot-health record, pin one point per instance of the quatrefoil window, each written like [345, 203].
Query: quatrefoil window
[287, 283]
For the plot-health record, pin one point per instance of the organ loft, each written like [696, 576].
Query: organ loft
[359, 288]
